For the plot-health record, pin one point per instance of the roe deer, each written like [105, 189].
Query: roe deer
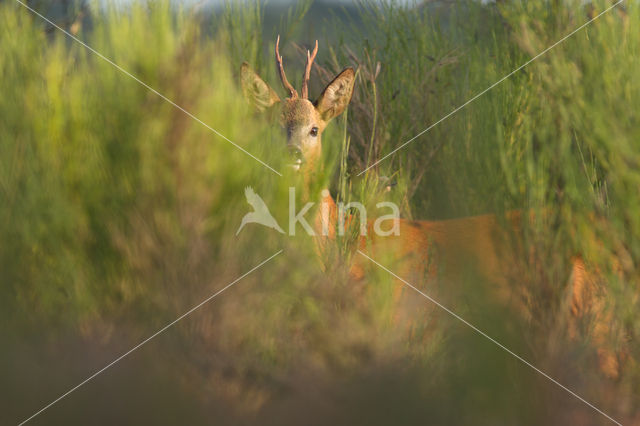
[447, 246]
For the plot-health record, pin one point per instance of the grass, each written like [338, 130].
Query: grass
[118, 212]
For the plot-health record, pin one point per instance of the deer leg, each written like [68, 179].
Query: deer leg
[588, 299]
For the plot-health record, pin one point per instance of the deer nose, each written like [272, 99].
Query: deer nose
[296, 153]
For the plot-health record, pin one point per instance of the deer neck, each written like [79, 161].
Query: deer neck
[326, 216]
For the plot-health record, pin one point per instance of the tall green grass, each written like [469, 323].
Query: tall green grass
[118, 212]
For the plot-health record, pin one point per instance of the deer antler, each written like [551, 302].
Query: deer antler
[307, 72]
[283, 76]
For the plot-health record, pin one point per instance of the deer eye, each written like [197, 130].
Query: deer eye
[314, 131]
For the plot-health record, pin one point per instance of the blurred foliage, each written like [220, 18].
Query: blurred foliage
[118, 211]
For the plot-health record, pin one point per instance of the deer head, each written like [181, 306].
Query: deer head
[303, 120]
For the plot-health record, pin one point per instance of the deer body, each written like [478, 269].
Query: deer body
[438, 256]
[444, 251]
[424, 250]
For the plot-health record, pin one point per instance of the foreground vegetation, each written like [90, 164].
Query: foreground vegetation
[118, 213]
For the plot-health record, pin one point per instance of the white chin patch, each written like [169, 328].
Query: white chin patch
[296, 165]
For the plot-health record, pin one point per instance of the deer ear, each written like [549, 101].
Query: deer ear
[257, 92]
[337, 95]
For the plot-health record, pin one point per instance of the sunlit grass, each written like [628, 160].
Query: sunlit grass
[119, 211]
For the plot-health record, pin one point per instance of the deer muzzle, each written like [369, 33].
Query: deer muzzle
[296, 156]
